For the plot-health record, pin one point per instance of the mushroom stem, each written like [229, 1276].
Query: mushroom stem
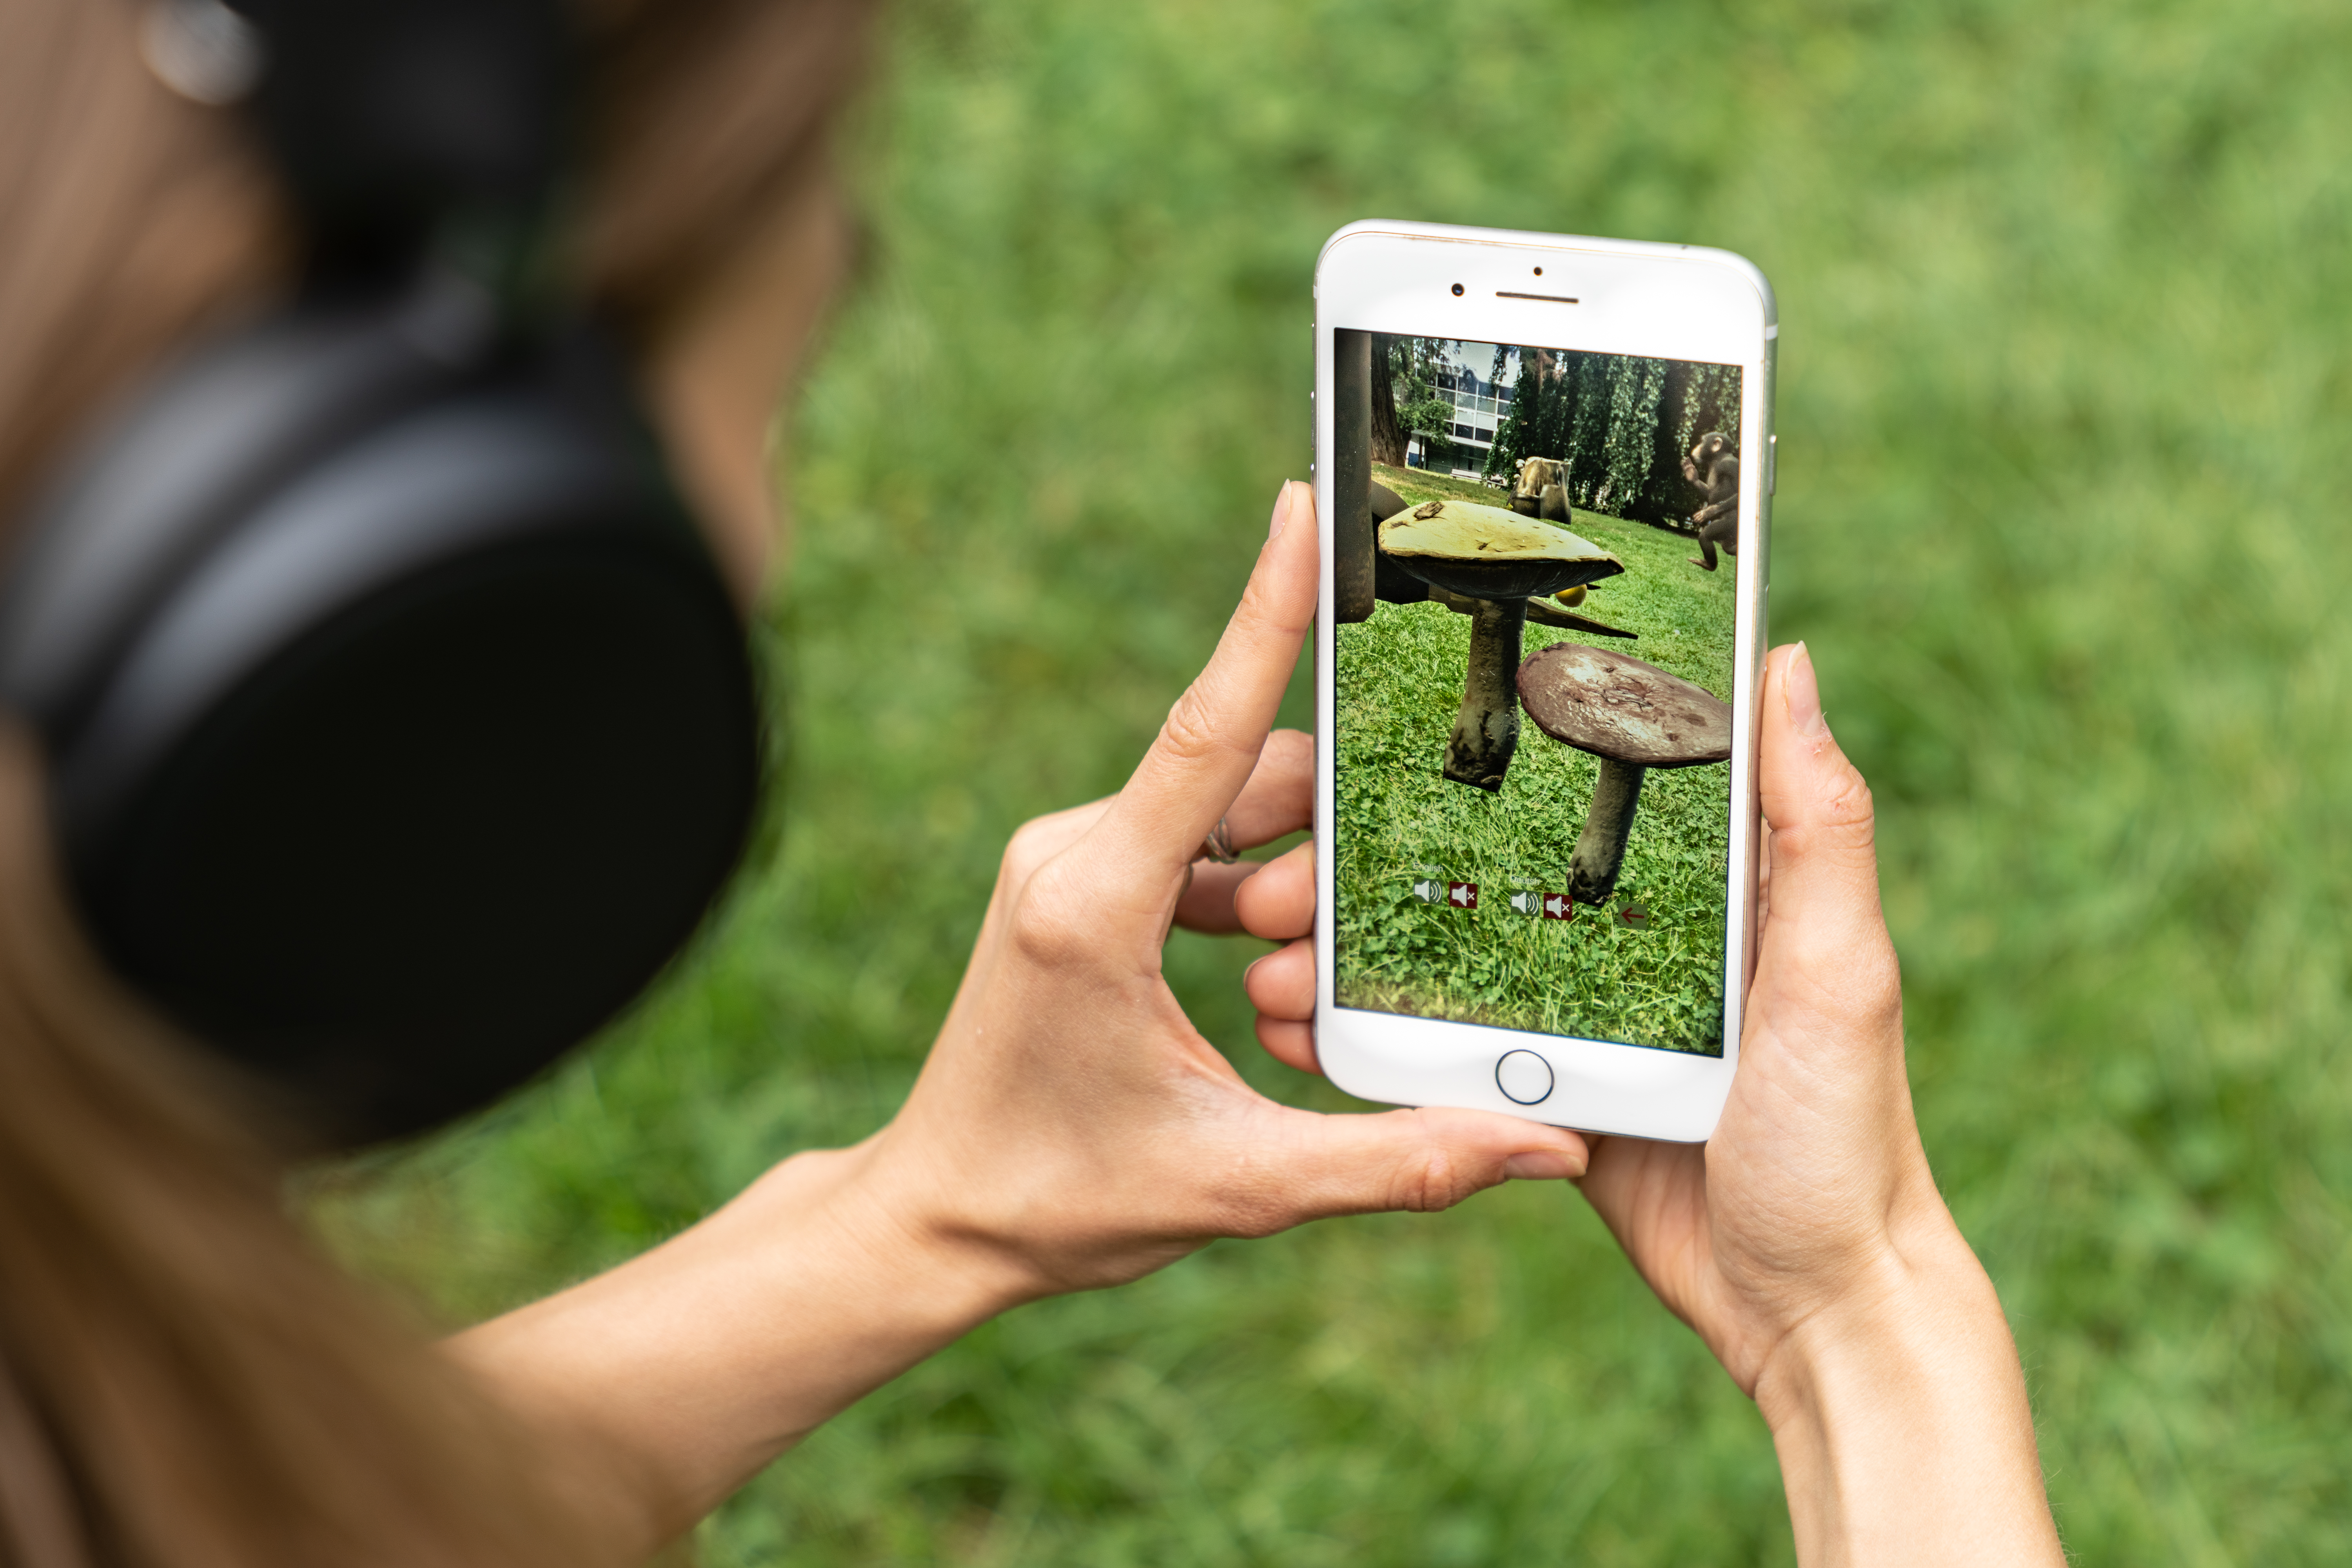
[1601, 847]
[1486, 730]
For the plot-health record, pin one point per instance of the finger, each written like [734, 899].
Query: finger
[1291, 1043]
[1207, 905]
[1415, 1160]
[1210, 745]
[1278, 799]
[1279, 904]
[1280, 796]
[1282, 984]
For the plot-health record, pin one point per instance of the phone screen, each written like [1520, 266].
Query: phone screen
[1533, 731]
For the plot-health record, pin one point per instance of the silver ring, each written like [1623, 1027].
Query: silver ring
[1219, 846]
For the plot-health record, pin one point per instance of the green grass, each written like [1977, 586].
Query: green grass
[1400, 820]
[2063, 399]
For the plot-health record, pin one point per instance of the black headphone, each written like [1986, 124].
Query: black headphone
[399, 725]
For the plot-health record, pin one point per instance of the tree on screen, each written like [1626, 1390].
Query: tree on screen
[1413, 365]
[1542, 404]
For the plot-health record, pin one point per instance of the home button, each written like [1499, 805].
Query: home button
[1524, 1076]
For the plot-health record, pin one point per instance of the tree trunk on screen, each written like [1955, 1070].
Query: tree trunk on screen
[1388, 436]
[1663, 498]
[1354, 542]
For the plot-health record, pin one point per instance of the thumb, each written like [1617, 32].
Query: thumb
[1416, 1160]
[1824, 852]
[1826, 962]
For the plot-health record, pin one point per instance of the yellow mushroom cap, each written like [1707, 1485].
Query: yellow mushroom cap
[1488, 552]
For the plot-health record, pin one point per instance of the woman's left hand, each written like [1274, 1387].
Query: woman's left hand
[1071, 1123]
[1070, 1129]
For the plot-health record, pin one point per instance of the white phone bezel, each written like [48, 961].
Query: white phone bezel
[1666, 301]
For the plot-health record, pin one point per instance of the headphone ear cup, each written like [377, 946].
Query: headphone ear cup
[210, 441]
[423, 772]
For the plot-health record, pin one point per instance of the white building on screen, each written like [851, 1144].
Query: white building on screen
[1480, 403]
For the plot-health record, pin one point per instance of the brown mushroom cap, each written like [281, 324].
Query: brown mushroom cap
[1488, 552]
[1622, 709]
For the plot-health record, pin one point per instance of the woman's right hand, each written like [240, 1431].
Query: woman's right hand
[1805, 1242]
[1814, 1189]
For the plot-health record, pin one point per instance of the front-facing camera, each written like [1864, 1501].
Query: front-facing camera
[1457, 287]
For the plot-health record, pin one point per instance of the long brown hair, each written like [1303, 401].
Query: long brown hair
[183, 1382]
[189, 1384]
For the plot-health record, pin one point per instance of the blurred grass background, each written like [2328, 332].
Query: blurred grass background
[2063, 403]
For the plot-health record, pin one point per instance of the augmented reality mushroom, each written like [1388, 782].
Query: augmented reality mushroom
[1633, 717]
[1498, 559]
[1396, 586]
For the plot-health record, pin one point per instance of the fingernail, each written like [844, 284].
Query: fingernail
[1539, 1165]
[1281, 512]
[1802, 694]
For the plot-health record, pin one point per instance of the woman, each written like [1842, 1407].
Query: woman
[182, 1382]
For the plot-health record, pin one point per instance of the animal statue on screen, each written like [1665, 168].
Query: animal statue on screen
[1713, 465]
[1540, 488]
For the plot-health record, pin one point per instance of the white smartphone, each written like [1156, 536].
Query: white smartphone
[1545, 464]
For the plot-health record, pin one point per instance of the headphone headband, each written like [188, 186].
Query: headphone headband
[389, 118]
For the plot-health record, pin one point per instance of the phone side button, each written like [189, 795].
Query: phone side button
[1524, 1077]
